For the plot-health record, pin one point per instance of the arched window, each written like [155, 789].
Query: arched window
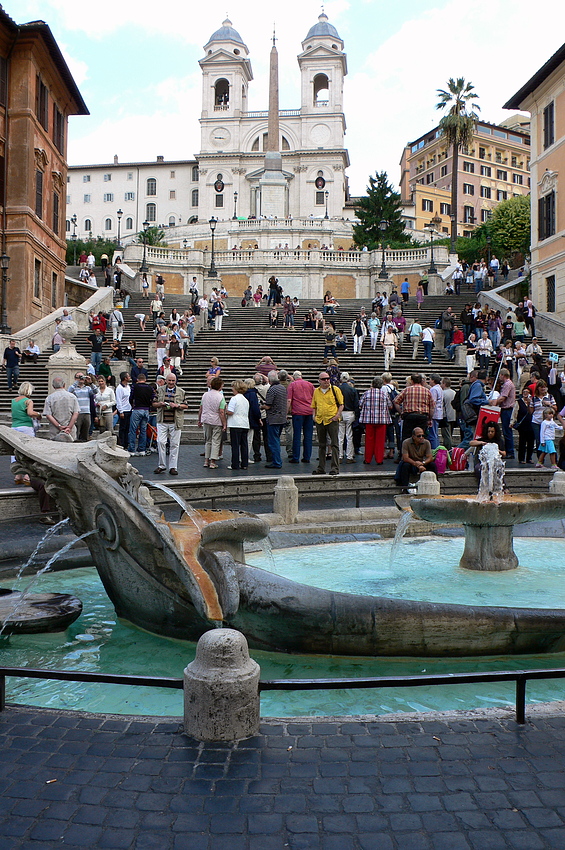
[221, 94]
[108, 224]
[195, 172]
[255, 145]
[87, 224]
[172, 221]
[194, 201]
[151, 186]
[151, 212]
[67, 225]
[321, 90]
[129, 223]
[285, 146]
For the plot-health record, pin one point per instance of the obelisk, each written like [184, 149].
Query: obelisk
[273, 182]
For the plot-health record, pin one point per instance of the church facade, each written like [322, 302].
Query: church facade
[310, 139]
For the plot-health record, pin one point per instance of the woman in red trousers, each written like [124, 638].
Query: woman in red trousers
[375, 415]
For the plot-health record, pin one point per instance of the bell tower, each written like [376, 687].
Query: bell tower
[323, 66]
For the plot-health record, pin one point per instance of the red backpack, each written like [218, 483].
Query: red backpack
[458, 459]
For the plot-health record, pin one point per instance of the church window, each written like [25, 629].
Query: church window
[285, 144]
[320, 199]
[255, 145]
[221, 94]
[321, 90]
[219, 200]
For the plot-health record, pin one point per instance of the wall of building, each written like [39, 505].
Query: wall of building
[160, 192]
[40, 95]
[494, 167]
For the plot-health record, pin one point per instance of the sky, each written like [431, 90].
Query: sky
[136, 64]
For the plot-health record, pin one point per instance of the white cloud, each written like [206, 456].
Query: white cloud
[391, 101]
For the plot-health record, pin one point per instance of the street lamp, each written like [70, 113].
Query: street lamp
[327, 196]
[119, 215]
[431, 228]
[383, 224]
[235, 206]
[212, 272]
[143, 269]
[74, 237]
[4, 265]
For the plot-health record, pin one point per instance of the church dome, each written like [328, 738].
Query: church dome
[322, 28]
[226, 33]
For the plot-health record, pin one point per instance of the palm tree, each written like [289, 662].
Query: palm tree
[457, 127]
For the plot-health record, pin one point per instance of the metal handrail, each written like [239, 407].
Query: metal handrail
[520, 677]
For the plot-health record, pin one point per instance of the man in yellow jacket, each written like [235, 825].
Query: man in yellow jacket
[327, 404]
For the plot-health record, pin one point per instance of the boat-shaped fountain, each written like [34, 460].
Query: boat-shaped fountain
[180, 579]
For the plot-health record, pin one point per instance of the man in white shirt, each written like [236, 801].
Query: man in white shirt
[203, 304]
[123, 408]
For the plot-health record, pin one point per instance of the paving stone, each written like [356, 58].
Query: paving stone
[264, 824]
[376, 841]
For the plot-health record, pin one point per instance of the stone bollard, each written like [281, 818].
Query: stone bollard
[428, 485]
[221, 689]
[557, 484]
[285, 501]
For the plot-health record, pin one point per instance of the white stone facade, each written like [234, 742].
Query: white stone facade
[233, 139]
[163, 193]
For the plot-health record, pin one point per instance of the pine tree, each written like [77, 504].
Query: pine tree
[381, 203]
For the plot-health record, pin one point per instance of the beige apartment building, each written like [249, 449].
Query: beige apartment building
[492, 169]
[544, 97]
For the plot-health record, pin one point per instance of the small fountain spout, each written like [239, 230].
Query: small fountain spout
[491, 487]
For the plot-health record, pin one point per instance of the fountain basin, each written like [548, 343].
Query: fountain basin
[488, 524]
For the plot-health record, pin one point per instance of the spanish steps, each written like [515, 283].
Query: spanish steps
[246, 337]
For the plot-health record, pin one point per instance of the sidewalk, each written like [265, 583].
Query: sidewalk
[83, 781]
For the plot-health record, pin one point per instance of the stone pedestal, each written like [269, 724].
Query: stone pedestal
[66, 362]
[488, 548]
[117, 367]
[285, 501]
[461, 355]
[436, 284]
[557, 484]
[428, 485]
[439, 340]
[221, 689]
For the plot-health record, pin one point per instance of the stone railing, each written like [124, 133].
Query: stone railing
[413, 258]
[42, 331]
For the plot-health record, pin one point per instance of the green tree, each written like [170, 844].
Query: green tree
[381, 203]
[153, 236]
[508, 230]
[457, 126]
[510, 227]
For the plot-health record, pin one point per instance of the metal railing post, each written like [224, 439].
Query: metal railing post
[521, 682]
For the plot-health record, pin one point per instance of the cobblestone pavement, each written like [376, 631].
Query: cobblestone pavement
[70, 780]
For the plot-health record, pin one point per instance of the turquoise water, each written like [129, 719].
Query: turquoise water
[98, 641]
[426, 569]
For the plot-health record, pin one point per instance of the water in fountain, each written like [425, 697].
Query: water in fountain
[491, 487]
[266, 548]
[406, 518]
[186, 508]
[22, 598]
[48, 534]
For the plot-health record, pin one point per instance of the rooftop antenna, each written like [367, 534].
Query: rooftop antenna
[274, 35]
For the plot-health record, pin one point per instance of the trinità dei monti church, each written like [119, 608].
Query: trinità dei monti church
[271, 190]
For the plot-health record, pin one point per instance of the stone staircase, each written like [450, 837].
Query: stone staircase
[246, 337]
